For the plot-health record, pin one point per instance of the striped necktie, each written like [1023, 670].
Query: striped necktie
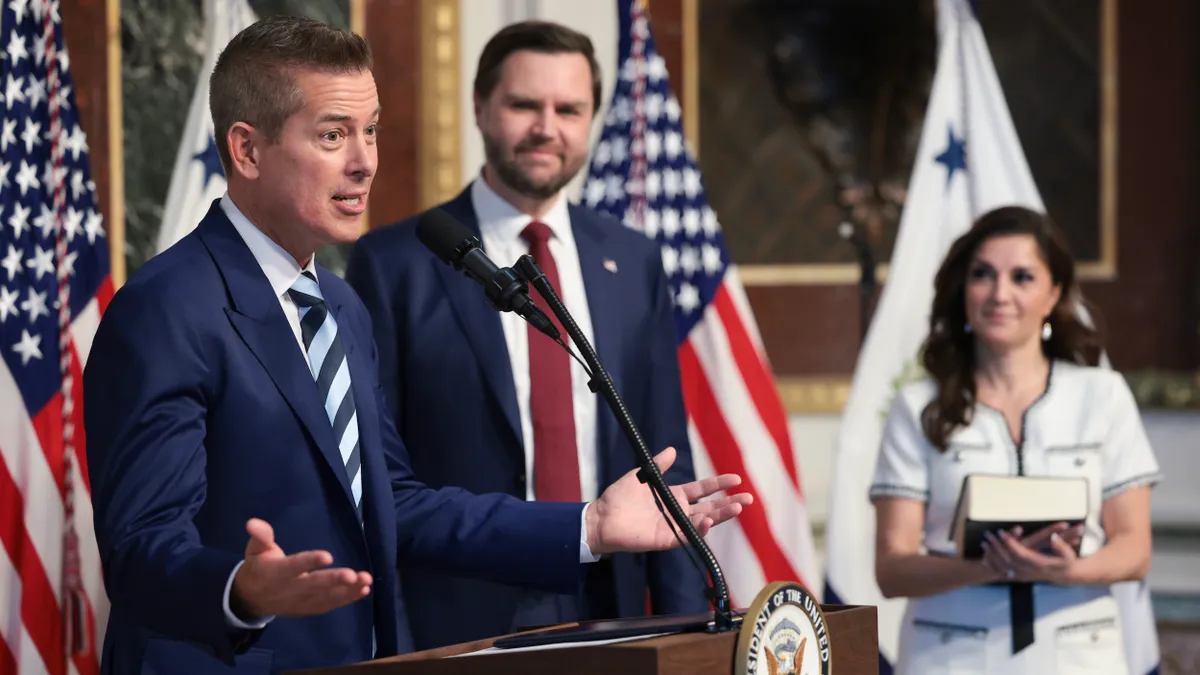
[327, 362]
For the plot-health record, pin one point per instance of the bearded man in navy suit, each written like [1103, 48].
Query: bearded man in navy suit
[525, 421]
[251, 494]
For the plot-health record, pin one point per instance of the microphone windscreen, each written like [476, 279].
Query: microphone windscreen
[442, 234]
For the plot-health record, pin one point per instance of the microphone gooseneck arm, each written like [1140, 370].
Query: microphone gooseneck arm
[648, 473]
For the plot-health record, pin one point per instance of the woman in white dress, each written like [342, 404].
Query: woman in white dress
[1013, 389]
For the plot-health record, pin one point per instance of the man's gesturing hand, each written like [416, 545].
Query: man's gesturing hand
[272, 583]
[625, 517]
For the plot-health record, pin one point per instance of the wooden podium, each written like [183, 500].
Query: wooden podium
[853, 636]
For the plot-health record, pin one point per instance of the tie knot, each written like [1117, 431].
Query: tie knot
[305, 291]
[537, 233]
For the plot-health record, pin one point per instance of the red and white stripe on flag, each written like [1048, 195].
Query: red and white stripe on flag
[642, 173]
[737, 424]
[54, 286]
[32, 520]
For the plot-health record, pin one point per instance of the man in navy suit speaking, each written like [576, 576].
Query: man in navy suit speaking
[529, 425]
[251, 494]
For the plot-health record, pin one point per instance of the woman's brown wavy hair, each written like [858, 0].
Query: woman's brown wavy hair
[948, 353]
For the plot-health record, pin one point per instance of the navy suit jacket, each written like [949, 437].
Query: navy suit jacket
[201, 413]
[448, 383]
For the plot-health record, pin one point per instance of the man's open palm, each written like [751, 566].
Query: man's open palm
[272, 583]
[625, 517]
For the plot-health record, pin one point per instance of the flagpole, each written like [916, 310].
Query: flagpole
[867, 281]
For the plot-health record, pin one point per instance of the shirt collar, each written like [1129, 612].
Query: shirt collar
[503, 220]
[277, 264]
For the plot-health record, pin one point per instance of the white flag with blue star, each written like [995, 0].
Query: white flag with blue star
[198, 178]
[969, 161]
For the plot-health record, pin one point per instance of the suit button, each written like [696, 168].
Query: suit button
[521, 480]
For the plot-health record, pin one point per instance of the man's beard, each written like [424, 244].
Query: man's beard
[514, 177]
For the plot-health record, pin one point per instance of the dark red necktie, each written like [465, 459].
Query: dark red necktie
[552, 412]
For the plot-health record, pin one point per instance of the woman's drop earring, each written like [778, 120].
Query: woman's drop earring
[1047, 331]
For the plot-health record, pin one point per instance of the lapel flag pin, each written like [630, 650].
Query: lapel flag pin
[610, 265]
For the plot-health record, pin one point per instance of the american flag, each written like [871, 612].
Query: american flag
[643, 174]
[54, 285]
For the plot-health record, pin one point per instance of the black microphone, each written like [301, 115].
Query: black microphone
[454, 244]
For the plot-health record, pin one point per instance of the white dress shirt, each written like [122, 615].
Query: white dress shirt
[282, 270]
[500, 227]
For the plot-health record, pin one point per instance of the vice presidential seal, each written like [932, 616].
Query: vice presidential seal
[783, 633]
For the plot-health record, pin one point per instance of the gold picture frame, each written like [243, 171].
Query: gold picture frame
[439, 154]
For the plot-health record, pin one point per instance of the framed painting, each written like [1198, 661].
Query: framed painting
[809, 114]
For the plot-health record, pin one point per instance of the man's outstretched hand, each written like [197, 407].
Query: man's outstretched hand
[625, 517]
[272, 583]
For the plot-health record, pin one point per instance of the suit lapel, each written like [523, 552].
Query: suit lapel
[481, 324]
[258, 318]
[604, 290]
